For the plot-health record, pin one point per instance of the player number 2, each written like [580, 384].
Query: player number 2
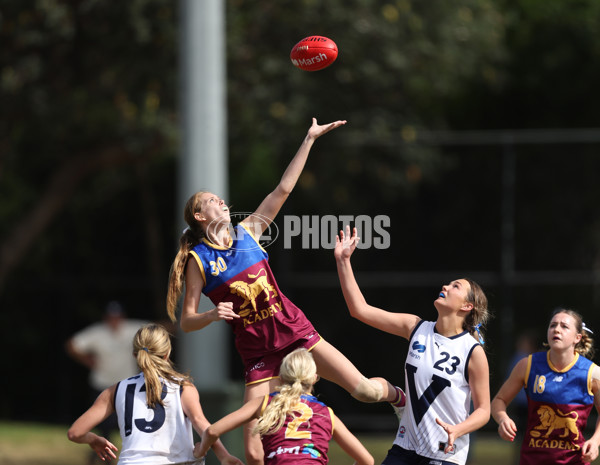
[306, 414]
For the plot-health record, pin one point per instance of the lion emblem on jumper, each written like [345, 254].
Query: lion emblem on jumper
[551, 420]
[250, 291]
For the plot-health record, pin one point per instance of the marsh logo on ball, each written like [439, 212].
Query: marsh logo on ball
[314, 53]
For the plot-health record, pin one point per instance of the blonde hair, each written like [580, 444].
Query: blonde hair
[479, 315]
[298, 372]
[191, 237]
[152, 348]
[585, 346]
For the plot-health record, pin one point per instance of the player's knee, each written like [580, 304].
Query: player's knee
[368, 390]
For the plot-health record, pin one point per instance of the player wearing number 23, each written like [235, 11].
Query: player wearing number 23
[156, 410]
[445, 366]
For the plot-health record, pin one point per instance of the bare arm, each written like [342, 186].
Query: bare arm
[191, 320]
[350, 444]
[270, 206]
[507, 429]
[589, 451]
[244, 414]
[190, 402]
[80, 431]
[400, 324]
[479, 382]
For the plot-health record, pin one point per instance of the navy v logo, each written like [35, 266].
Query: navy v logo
[421, 404]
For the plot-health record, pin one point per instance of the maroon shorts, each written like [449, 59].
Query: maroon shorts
[267, 366]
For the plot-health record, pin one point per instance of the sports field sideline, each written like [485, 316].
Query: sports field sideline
[41, 444]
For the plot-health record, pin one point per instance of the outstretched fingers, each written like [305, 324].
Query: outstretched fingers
[345, 244]
[317, 130]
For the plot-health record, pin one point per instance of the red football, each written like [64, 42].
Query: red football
[314, 53]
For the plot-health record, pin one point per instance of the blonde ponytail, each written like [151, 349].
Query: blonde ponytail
[586, 346]
[298, 373]
[152, 348]
[191, 237]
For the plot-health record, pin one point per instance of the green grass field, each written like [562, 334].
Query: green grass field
[40, 444]
[30, 443]
[488, 449]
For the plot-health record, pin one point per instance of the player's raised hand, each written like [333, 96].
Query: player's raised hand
[345, 244]
[317, 130]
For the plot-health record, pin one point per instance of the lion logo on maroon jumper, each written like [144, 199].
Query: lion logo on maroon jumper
[551, 420]
[251, 291]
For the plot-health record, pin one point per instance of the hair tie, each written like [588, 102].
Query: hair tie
[476, 327]
[146, 349]
[585, 328]
[185, 230]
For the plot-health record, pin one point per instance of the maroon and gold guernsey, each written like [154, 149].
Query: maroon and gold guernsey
[304, 437]
[241, 274]
[559, 403]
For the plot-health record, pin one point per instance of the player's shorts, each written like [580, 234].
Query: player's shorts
[267, 366]
[399, 456]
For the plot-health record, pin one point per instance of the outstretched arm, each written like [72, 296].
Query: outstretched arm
[244, 414]
[270, 206]
[400, 324]
[350, 444]
[190, 402]
[507, 429]
[80, 431]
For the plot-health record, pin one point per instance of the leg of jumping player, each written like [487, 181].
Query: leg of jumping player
[335, 367]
